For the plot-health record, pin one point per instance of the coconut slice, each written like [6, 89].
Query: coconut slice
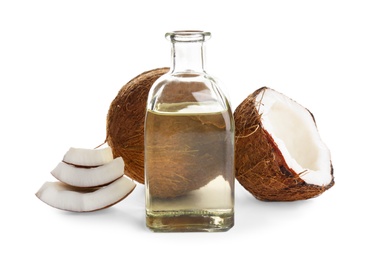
[88, 157]
[65, 197]
[89, 177]
[279, 152]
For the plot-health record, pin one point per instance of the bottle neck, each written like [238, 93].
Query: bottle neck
[187, 57]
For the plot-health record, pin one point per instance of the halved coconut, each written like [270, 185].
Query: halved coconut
[89, 177]
[65, 197]
[280, 155]
[88, 157]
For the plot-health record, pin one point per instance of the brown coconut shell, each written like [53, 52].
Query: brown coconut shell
[260, 167]
[125, 122]
[178, 168]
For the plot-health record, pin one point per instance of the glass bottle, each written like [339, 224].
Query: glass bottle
[189, 145]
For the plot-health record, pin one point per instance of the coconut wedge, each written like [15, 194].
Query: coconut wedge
[65, 197]
[88, 157]
[280, 155]
[89, 177]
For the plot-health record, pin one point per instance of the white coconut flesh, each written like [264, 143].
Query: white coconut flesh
[62, 196]
[88, 157]
[293, 130]
[89, 177]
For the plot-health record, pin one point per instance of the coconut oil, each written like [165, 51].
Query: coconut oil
[189, 169]
[189, 146]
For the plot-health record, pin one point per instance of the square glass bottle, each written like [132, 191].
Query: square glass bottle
[189, 145]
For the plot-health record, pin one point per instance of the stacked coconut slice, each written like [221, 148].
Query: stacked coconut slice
[88, 180]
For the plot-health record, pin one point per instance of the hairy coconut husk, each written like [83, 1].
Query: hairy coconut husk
[260, 167]
[180, 161]
[125, 122]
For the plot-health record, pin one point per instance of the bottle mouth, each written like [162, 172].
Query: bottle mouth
[187, 36]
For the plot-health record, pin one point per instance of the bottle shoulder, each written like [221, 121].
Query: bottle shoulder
[198, 91]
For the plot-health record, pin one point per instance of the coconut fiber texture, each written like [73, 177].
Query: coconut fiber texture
[125, 122]
[260, 166]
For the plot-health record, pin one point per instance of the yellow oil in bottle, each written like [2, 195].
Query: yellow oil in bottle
[189, 167]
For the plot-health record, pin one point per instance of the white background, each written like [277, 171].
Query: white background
[63, 62]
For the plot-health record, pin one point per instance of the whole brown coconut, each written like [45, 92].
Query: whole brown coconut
[279, 154]
[176, 163]
[125, 122]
